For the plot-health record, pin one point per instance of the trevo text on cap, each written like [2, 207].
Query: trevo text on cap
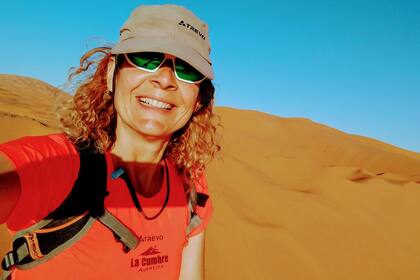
[169, 29]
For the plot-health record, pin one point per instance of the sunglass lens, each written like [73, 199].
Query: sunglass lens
[186, 72]
[146, 60]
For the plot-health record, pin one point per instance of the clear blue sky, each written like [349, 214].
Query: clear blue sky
[353, 65]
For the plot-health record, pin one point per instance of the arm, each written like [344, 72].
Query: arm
[192, 267]
[9, 187]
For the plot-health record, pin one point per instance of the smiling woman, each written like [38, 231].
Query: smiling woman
[95, 110]
[130, 161]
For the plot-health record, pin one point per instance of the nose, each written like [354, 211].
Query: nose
[164, 77]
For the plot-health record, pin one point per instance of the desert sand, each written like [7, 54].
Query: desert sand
[293, 199]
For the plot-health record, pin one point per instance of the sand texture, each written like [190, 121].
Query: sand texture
[293, 199]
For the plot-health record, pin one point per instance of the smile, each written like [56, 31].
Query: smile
[155, 103]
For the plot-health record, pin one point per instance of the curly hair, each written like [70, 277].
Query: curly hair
[89, 118]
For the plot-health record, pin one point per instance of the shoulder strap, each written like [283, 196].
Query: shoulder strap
[89, 190]
[195, 199]
[70, 221]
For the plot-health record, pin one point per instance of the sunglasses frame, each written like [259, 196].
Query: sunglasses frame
[167, 56]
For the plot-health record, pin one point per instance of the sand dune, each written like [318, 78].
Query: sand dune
[304, 201]
[29, 98]
[293, 199]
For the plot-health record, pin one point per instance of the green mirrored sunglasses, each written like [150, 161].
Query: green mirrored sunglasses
[152, 61]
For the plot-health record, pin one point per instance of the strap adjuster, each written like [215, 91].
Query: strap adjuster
[9, 261]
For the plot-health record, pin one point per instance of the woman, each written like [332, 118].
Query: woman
[148, 109]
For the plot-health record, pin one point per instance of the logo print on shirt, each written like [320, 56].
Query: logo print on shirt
[151, 251]
[151, 259]
[150, 238]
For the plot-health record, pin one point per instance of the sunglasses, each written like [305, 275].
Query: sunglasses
[152, 61]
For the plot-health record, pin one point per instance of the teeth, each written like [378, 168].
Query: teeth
[155, 103]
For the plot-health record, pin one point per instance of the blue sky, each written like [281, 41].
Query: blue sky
[353, 65]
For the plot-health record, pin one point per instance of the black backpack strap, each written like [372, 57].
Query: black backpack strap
[44, 240]
[89, 190]
[202, 199]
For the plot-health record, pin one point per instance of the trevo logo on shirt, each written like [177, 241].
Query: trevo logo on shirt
[151, 259]
[148, 238]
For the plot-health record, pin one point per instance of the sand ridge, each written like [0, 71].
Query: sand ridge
[293, 199]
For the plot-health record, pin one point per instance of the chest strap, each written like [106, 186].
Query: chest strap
[121, 232]
[42, 242]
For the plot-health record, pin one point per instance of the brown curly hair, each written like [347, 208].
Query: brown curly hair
[89, 118]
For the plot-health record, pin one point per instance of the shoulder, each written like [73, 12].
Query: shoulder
[55, 139]
[40, 149]
[32, 149]
[47, 167]
[58, 138]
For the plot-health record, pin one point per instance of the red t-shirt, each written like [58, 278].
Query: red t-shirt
[48, 167]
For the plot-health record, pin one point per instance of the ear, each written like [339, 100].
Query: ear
[110, 73]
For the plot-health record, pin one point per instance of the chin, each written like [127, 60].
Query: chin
[154, 130]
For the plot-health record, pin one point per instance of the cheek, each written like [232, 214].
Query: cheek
[125, 82]
[190, 96]
[119, 99]
[117, 104]
[128, 79]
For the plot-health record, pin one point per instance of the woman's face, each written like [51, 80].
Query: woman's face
[153, 104]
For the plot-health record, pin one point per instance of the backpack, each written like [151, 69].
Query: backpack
[70, 221]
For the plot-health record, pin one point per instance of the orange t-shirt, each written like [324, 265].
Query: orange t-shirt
[48, 167]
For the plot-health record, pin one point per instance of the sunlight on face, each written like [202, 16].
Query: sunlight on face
[153, 104]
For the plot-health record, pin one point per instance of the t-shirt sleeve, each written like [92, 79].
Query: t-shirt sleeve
[47, 167]
[206, 212]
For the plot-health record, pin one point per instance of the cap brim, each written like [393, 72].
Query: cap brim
[165, 45]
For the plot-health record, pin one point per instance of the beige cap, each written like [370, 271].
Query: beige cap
[169, 29]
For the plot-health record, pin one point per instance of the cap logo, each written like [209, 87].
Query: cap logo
[189, 26]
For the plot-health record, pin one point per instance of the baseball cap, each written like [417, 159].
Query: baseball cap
[168, 29]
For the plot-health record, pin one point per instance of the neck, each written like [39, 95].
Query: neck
[139, 150]
[141, 158]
